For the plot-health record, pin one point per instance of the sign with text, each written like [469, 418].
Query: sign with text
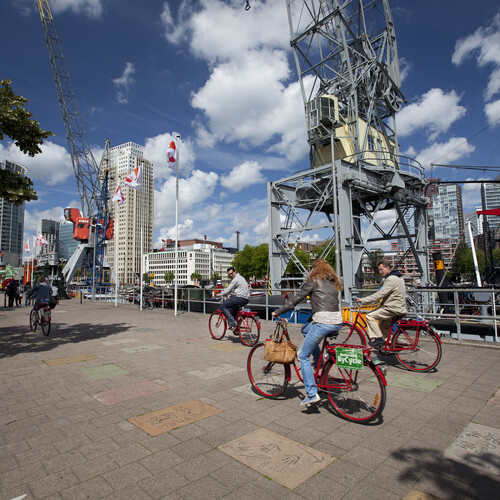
[349, 358]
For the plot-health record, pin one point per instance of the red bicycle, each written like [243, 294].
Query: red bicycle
[414, 342]
[357, 395]
[247, 326]
[43, 317]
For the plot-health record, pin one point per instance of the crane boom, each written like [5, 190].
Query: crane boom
[84, 165]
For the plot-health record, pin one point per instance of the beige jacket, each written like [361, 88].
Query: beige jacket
[392, 294]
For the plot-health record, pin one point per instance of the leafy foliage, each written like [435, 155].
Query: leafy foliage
[16, 122]
[169, 277]
[252, 262]
[16, 189]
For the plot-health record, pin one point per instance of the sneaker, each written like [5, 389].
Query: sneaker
[377, 342]
[232, 327]
[308, 400]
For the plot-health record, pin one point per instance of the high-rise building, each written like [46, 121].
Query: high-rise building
[12, 222]
[67, 245]
[139, 205]
[47, 254]
[447, 212]
[490, 198]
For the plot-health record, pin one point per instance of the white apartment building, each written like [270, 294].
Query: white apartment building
[490, 197]
[447, 213]
[204, 259]
[123, 160]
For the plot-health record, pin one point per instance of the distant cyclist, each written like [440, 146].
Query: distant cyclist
[240, 298]
[41, 293]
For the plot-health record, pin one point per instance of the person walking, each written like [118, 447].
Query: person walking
[27, 291]
[19, 294]
[11, 291]
[392, 295]
[322, 285]
[239, 288]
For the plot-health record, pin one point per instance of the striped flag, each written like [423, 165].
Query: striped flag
[171, 155]
[27, 246]
[40, 240]
[134, 179]
[118, 197]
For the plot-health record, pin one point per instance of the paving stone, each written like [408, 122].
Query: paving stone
[216, 371]
[412, 382]
[104, 371]
[286, 461]
[142, 348]
[128, 392]
[73, 359]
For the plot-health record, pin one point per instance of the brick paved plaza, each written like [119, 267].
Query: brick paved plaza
[118, 403]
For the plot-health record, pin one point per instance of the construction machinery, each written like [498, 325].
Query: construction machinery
[93, 225]
[346, 59]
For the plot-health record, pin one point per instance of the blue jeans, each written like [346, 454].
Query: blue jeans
[314, 333]
[230, 308]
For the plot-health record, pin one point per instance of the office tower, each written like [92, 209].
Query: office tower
[12, 222]
[47, 254]
[447, 212]
[490, 198]
[67, 245]
[123, 160]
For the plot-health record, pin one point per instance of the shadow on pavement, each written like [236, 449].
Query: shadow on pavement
[19, 339]
[448, 478]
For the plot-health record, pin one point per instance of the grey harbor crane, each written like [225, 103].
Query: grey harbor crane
[347, 63]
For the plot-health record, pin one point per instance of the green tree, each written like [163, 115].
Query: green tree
[242, 261]
[146, 278]
[318, 251]
[215, 276]
[305, 259]
[260, 261]
[196, 276]
[17, 123]
[169, 276]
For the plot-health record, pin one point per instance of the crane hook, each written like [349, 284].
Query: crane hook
[247, 6]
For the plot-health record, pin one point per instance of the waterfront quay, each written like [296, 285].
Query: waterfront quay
[119, 403]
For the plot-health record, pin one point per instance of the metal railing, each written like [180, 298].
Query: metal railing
[451, 310]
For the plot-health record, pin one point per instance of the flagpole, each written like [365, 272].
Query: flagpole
[117, 239]
[177, 156]
[142, 229]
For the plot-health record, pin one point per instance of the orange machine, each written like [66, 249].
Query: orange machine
[82, 225]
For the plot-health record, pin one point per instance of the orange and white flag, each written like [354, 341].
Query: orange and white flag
[118, 197]
[27, 246]
[134, 179]
[40, 240]
[172, 156]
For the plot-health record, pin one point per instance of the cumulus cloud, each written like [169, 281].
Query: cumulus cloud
[52, 166]
[123, 82]
[32, 216]
[91, 8]
[484, 44]
[242, 176]
[452, 150]
[492, 111]
[434, 111]
[248, 97]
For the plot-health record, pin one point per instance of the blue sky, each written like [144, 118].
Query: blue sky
[223, 78]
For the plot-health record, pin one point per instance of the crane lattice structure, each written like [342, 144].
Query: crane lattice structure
[91, 179]
[346, 58]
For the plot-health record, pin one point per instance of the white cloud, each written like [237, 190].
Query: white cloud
[155, 150]
[404, 68]
[484, 43]
[31, 217]
[91, 8]
[492, 112]
[52, 166]
[242, 176]
[193, 191]
[452, 150]
[123, 82]
[434, 111]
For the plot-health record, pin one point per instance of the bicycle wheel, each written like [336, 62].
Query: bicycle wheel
[268, 379]
[217, 325]
[33, 320]
[417, 348]
[45, 323]
[249, 331]
[350, 334]
[356, 395]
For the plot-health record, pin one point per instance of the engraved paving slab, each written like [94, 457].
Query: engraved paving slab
[283, 460]
[495, 400]
[216, 371]
[412, 382]
[72, 359]
[164, 420]
[478, 446]
[104, 371]
[228, 347]
[119, 341]
[128, 392]
[142, 348]
[418, 495]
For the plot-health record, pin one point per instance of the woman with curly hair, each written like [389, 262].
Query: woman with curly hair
[322, 285]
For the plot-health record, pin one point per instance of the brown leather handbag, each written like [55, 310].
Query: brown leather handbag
[278, 349]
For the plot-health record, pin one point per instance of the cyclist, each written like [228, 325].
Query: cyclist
[41, 293]
[240, 297]
[393, 303]
[322, 286]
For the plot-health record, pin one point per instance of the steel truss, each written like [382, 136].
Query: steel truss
[346, 58]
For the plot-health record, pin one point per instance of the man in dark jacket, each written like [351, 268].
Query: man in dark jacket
[11, 291]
